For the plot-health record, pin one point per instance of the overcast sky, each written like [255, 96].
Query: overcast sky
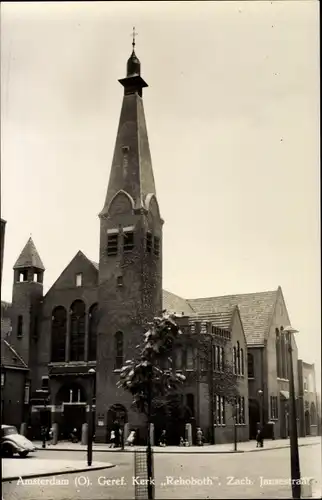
[232, 111]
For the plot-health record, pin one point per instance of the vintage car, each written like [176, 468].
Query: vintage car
[12, 442]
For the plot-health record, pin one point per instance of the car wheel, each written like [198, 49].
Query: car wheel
[23, 454]
[7, 451]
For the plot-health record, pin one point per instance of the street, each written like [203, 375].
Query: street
[181, 476]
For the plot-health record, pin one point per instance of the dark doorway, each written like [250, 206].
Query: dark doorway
[254, 417]
[116, 419]
[73, 398]
[172, 417]
[74, 418]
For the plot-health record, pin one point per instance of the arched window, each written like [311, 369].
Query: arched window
[58, 334]
[250, 365]
[242, 362]
[118, 347]
[77, 331]
[92, 332]
[238, 358]
[234, 361]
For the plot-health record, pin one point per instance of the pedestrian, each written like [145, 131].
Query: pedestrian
[199, 437]
[181, 441]
[112, 439]
[163, 441]
[259, 439]
[131, 438]
[51, 435]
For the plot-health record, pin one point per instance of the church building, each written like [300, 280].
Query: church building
[76, 338]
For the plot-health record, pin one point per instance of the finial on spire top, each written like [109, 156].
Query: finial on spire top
[134, 34]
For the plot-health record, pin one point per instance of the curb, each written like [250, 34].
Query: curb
[59, 473]
[119, 450]
[282, 447]
[174, 452]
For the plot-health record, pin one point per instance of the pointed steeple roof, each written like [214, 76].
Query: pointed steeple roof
[29, 257]
[131, 169]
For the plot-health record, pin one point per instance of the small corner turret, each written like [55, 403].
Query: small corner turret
[29, 266]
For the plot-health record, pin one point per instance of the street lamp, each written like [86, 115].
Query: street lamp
[92, 373]
[235, 426]
[295, 462]
[261, 409]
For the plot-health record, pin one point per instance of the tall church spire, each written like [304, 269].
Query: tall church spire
[131, 169]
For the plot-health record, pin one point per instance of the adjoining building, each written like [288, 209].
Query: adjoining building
[308, 400]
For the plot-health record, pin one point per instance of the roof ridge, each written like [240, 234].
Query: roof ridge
[233, 295]
[15, 353]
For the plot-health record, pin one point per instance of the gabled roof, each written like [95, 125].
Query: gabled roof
[222, 319]
[255, 310]
[29, 257]
[95, 264]
[10, 357]
[175, 304]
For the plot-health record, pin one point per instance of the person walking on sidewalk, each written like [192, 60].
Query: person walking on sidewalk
[112, 439]
[260, 439]
[199, 437]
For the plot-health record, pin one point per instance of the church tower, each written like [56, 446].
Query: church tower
[130, 263]
[27, 296]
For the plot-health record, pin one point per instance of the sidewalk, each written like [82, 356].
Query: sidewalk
[247, 446]
[34, 467]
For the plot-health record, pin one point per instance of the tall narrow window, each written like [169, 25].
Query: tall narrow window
[217, 410]
[222, 359]
[112, 243]
[250, 365]
[214, 356]
[128, 241]
[234, 361]
[156, 246]
[242, 362]
[238, 358]
[277, 349]
[178, 359]
[191, 404]
[149, 242]
[27, 393]
[118, 344]
[218, 364]
[242, 410]
[20, 326]
[58, 334]
[45, 383]
[79, 279]
[189, 358]
[222, 410]
[77, 331]
[92, 332]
